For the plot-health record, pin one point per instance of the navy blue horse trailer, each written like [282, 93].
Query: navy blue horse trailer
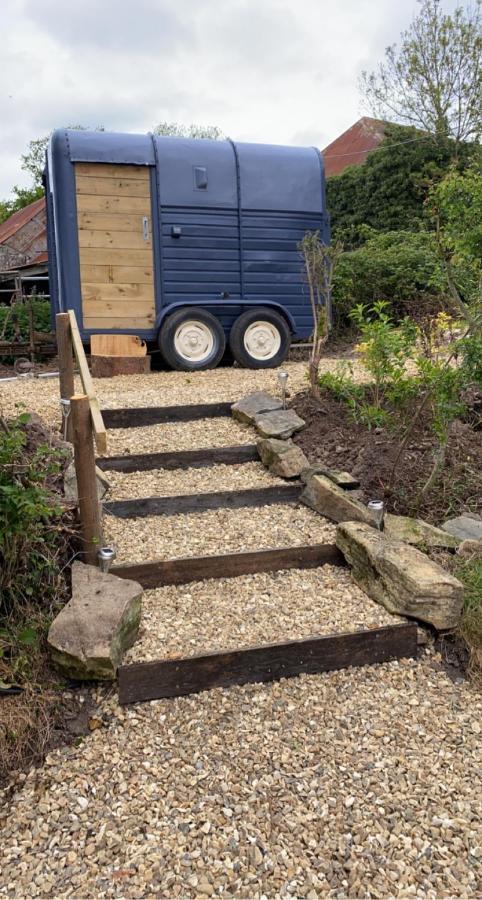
[192, 244]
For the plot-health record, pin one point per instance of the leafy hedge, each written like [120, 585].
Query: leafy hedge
[19, 313]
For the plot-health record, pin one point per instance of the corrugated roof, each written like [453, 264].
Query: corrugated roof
[19, 219]
[353, 146]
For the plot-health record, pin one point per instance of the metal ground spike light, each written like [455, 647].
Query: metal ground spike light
[282, 381]
[106, 557]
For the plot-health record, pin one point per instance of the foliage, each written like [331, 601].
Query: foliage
[14, 319]
[385, 347]
[33, 161]
[433, 80]
[387, 192]
[398, 267]
[319, 263]
[174, 129]
[470, 573]
[29, 517]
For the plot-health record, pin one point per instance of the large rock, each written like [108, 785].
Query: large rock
[280, 423]
[248, 408]
[344, 480]
[400, 577]
[90, 635]
[419, 533]
[282, 458]
[70, 484]
[466, 528]
[331, 501]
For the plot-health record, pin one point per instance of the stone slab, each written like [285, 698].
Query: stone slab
[100, 622]
[282, 458]
[331, 501]
[400, 577]
[280, 423]
[419, 533]
[249, 407]
[466, 527]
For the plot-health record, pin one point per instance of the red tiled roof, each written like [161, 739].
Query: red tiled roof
[19, 219]
[353, 146]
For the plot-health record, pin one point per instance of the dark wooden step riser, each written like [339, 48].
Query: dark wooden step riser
[229, 565]
[191, 503]
[155, 415]
[270, 662]
[181, 459]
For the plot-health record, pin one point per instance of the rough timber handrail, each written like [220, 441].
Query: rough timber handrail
[100, 433]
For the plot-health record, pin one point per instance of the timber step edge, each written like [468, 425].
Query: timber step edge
[191, 503]
[269, 662]
[182, 570]
[180, 459]
[138, 417]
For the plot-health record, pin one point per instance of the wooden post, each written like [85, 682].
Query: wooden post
[66, 363]
[84, 458]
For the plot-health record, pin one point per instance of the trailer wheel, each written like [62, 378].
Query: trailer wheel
[260, 339]
[191, 339]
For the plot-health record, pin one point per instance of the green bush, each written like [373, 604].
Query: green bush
[400, 267]
[19, 313]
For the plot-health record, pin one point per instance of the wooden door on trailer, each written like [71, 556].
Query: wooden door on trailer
[115, 246]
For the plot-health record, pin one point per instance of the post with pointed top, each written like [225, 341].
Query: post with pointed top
[84, 459]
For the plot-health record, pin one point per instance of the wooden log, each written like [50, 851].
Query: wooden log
[180, 459]
[190, 503]
[66, 364]
[138, 417]
[84, 459]
[110, 366]
[156, 573]
[268, 662]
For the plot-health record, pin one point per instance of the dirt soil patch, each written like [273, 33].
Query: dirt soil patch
[332, 438]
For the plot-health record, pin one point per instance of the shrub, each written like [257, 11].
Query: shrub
[9, 315]
[399, 267]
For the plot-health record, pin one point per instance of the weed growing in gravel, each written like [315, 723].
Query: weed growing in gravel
[470, 573]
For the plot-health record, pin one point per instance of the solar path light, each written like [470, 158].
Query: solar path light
[282, 380]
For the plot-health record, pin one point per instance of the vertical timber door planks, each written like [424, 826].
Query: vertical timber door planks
[115, 246]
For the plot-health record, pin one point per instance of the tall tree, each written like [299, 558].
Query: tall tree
[433, 79]
[174, 129]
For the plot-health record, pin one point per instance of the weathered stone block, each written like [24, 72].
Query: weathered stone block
[466, 528]
[70, 484]
[344, 480]
[331, 501]
[248, 408]
[280, 423]
[282, 458]
[100, 622]
[418, 532]
[400, 577]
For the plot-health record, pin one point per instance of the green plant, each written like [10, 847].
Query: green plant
[470, 573]
[14, 319]
[29, 517]
[385, 347]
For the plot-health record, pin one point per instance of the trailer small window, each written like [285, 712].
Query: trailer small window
[200, 178]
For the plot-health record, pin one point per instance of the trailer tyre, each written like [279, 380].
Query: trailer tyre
[191, 339]
[260, 339]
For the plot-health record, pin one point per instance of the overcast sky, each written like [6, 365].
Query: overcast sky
[279, 71]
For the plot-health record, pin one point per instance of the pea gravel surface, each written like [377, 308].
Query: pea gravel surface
[162, 482]
[359, 783]
[171, 436]
[216, 531]
[228, 613]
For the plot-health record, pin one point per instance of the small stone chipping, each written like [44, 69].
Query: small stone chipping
[163, 483]
[226, 613]
[362, 783]
[216, 531]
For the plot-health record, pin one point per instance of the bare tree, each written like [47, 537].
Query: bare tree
[174, 129]
[320, 262]
[433, 80]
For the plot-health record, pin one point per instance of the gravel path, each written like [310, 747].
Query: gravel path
[225, 613]
[215, 531]
[359, 783]
[362, 783]
[167, 482]
[221, 432]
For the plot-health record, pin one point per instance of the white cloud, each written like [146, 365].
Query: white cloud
[281, 71]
